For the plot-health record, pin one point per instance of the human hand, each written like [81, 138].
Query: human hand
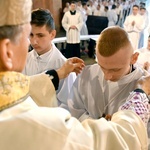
[144, 84]
[146, 65]
[73, 64]
[73, 27]
[133, 23]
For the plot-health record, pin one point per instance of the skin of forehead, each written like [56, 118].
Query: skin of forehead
[117, 60]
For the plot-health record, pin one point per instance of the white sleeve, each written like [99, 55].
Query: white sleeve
[75, 102]
[64, 90]
[65, 23]
[125, 131]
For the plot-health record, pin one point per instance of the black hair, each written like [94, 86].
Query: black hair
[41, 17]
[72, 2]
[113, 6]
[106, 7]
[84, 3]
[136, 6]
[142, 8]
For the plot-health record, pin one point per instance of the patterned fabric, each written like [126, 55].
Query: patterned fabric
[139, 103]
[13, 87]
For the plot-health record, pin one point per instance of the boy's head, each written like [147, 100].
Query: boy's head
[43, 30]
[115, 53]
[135, 9]
[42, 17]
[73, 6]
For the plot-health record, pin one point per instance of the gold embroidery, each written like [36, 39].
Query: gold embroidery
[13, 87]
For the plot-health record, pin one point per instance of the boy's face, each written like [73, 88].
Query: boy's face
[135, 10]
[116, 66]
[73, 7]
[40, 39]
[13, 54]
[142, 11]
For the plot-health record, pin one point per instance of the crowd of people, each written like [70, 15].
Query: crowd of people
[50, 102]
[132, 15]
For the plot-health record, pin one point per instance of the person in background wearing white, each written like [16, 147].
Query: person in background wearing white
[84, 30]
[79, 5]
[67, 7]
[72, 22]
[97, 11]
[119, 14]
[112, 16]
[105, 12]
[134, 24]
[144, 56]
[91, 7]
[144, 32]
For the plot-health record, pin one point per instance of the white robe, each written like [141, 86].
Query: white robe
[144, 56]
[53, 59]
[97, 12]
[91, 93]
[28, 127]
[112, 17]
[84, 30]
[73, 35]
[145, 30]
[134, 31]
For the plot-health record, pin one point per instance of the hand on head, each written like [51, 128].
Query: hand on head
[73, 64]
[133, 23]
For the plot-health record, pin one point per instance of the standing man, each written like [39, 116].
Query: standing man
[134, 24]
[144, 32]
[144, 56]
[45, 55]
[72, 23]
[112, 16]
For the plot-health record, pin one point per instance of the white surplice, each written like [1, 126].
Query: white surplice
[92, 95]
[25, 126]
[53, 59]
[28, 127]
[134, 31]
[73, 35]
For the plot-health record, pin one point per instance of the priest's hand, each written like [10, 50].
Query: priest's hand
[144, 84]
[73, 64]
[146, 65]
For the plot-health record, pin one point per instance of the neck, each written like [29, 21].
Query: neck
[131, 69]
[45, 51]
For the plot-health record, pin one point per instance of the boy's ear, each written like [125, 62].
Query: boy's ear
[134, 58]
[6, 55]
[53, 34]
